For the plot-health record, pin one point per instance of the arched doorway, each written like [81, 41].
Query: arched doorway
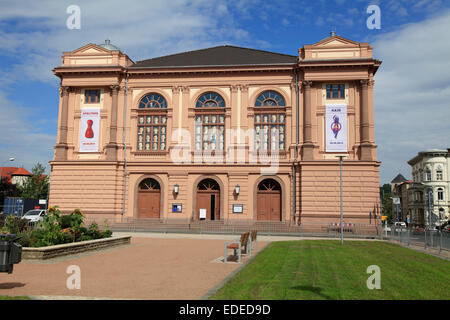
[268, 201]
[149, 199]
[208, 200]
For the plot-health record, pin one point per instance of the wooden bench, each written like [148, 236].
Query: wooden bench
[253, 236]
[237, 245]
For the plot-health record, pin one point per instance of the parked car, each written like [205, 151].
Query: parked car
[34, 216]
[400, 227]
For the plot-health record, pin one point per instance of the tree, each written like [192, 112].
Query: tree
[386, 201]
[36, 186]
[7, 189]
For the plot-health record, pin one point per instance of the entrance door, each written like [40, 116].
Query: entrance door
[208, 200]
[149, 197]
[269, 201]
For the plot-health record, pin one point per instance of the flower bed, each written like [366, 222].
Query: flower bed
[56, 229]
[72, 248]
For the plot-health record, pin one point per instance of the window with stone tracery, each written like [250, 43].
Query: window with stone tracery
[270, 122]
[152, 123]
[210, 122]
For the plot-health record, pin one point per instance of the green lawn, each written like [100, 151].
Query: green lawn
[323, 269]
[14, 298]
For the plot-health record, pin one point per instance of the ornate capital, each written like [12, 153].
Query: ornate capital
[176, 89]
[367, 83]
[114, 89]
[185, 89]
[65, 90]
[234, 87]
[244, 87]
[307, 83]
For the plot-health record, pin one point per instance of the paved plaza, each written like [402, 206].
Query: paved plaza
[153, 266]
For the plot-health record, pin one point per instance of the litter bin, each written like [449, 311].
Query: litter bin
[10, 252]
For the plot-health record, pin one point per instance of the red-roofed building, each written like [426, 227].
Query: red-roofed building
[15, 175]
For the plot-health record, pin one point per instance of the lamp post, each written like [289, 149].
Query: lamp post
[342, 210]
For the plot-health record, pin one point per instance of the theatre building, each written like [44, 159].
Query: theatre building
[222, 133]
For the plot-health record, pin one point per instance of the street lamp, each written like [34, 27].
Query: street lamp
[342, 211]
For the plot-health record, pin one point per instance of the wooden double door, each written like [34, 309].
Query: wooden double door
[208, 200]
[149, 199]
[268, 201]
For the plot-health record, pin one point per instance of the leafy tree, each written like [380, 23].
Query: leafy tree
[386, 201]
[7, 189]
[37, 186]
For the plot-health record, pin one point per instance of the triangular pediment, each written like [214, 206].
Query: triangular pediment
[335, 41]
[91, 49]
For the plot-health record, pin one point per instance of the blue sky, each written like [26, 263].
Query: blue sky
[412, 93]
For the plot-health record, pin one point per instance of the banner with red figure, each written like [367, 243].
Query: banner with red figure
[89, 129]
[336, 128]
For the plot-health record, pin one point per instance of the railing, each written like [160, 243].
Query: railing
[425, 238]
[238, 226]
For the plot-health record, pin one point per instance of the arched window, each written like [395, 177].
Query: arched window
[210, 122]
[270, 119]
[152, 120]
[439, 173]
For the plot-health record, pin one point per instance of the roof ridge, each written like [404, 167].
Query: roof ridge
[204, 49]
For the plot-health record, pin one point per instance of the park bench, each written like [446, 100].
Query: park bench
[237, 246]
[253, 236]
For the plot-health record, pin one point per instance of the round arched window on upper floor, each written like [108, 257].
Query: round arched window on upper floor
[270, 119]
[210, 122]
[152, 120]
[270, 98]
[210, 100]
[153, 100]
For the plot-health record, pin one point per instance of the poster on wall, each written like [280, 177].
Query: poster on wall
[336, 128]
[89, 129]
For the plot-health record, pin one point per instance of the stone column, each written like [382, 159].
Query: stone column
[308, 146]
[61, 147]
[111, 147]
[366, 145]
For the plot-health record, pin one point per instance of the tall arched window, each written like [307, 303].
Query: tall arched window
[152, 120]
[270, 119]
[210, 122]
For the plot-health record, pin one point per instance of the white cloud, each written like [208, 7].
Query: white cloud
[22, 138]
[412, 93]
[141, 29]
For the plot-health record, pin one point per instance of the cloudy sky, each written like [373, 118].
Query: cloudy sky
[412, 89]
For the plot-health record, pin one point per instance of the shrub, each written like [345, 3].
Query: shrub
[15, 225]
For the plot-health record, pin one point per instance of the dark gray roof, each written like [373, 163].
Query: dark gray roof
[218, 56]
[399, 179]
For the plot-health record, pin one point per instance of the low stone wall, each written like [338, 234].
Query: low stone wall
[65, 249]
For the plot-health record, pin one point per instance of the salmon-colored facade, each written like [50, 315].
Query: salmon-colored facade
[227, 178]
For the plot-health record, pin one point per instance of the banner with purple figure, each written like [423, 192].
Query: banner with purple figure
[336, 128]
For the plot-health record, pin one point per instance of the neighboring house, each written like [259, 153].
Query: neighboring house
[15, 175]
[399, 188]
[431, 172]
[223, 133]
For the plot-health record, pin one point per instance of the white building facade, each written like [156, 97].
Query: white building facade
[431, 175]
